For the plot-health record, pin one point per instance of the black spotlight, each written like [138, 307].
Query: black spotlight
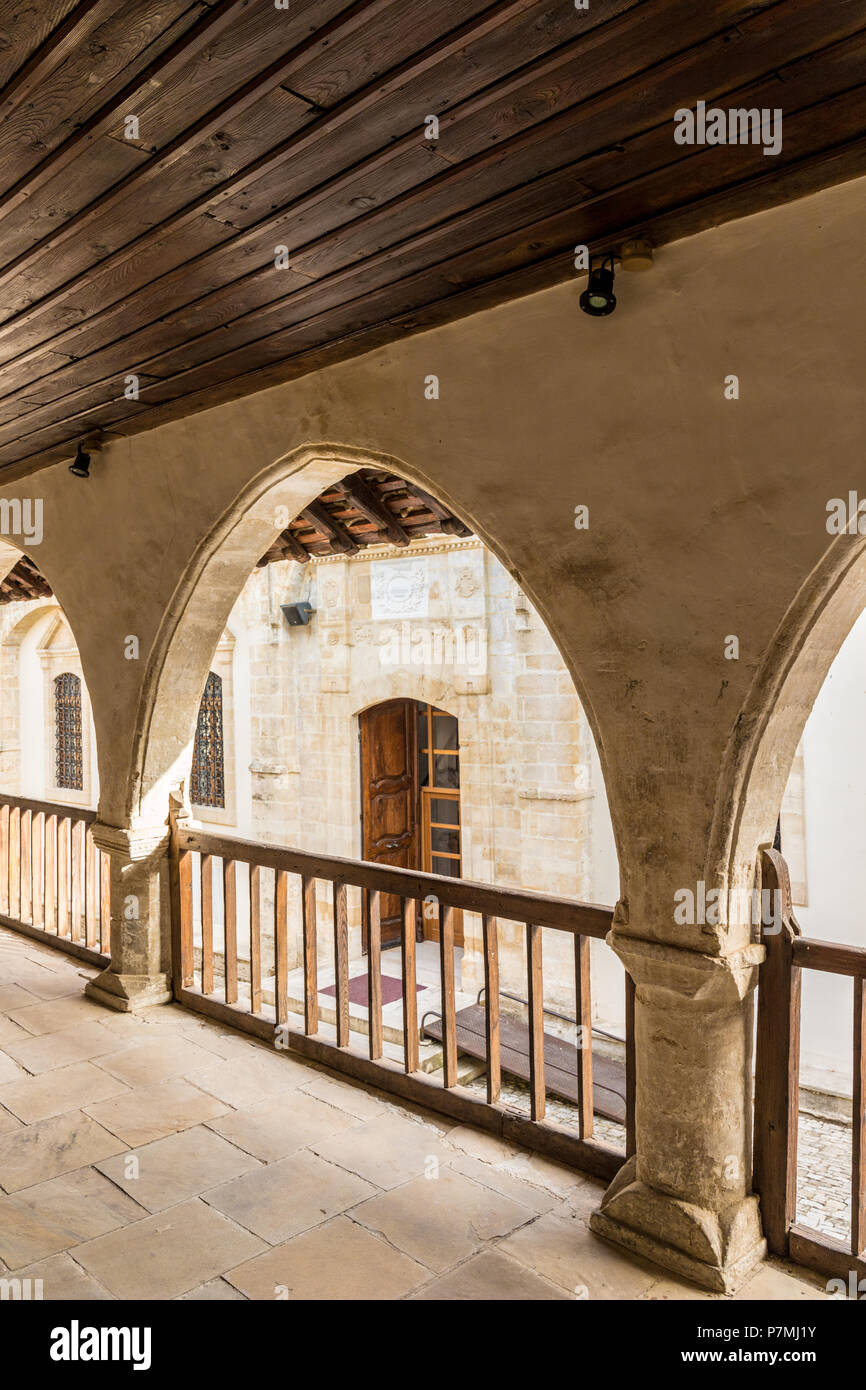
[80, 465]
[598, 298]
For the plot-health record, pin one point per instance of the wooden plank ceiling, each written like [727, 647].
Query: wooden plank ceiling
[152, 253]
[366, 508]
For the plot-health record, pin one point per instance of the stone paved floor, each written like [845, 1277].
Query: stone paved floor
[163, 1156]
[824, 1176]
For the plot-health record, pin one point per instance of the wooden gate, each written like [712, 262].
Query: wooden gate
[777, 1082]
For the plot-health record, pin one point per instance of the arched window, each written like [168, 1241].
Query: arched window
[69, 766]
[207, 782]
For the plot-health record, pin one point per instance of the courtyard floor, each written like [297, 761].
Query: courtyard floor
[163, 1156]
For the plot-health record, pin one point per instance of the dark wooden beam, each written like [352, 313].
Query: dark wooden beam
[292, 548]
[342, 540]
[368, 504]
[447, 520]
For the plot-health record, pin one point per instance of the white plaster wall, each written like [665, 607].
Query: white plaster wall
[835, 809]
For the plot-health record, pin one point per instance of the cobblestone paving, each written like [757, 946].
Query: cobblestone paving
[824, 1167]
[824, 1176]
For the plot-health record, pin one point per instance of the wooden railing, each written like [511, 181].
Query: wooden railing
[195, 982]
[777, 1084]
[53, 880]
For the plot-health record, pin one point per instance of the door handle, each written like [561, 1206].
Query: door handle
[392, 844]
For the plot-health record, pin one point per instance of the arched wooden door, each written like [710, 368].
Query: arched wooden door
[390, 798]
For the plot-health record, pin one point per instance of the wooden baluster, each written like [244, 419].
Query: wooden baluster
[5, 850]
[374, 975]
[341, 961]
[15, 863]
[777, 1063]
[630, 1070]
[858, 1136]
[91, 925]
[583, 1017]
[36, 868]
[63, 839]
[536, 1021]
[255, 939]
[185, 972]
[311, 961]
[206, 867]
[26, 881]
[230, 917]
[105, 903]
[446, 975]
[281, 945]
[51, 874]
[77, 847]
[490, 932]
[410, 988]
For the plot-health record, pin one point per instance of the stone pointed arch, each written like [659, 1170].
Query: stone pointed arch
[199, 610]
[770, 724]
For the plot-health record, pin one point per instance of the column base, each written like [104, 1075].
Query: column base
[715, 1250]
[129, 993]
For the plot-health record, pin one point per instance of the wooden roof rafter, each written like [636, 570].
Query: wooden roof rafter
[24, 582]
[366, 508]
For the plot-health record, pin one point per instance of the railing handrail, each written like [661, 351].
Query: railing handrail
[49, 808]
[518, 905]
[831, 957]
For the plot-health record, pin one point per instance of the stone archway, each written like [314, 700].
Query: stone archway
[765, 737]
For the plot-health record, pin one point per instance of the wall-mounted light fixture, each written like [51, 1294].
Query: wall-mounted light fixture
[80, 465]
[297, 614]
[598, 298]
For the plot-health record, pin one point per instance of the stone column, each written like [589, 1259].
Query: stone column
[139, 973]
[684, 1199]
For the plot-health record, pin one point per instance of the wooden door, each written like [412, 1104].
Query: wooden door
[389, 798]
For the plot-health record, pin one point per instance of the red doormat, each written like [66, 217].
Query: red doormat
[392, 988]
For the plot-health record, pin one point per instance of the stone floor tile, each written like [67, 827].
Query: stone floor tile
[152, 1112]
[274, 1131]
[169, 1254]
[285, 1198]
[11, 1032]
[174, 1169]
[477, 1144]
[536, 1198]
[48, 984]
[84, 1203]
[8, 1122]
[14, 996]
[52, 1147]
[214, 1291]
[58, 1013]
[773, 1284]
[67, 1088]
[64, 1280]
[386, 1151]
[336, 1261]
[81, 1043]
[490, 1276]
[147, 1063]
[563, 1250]
[441, 1220]
[355, 1100]
[243, 1082]
[27, 1235]
[10, 1070]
